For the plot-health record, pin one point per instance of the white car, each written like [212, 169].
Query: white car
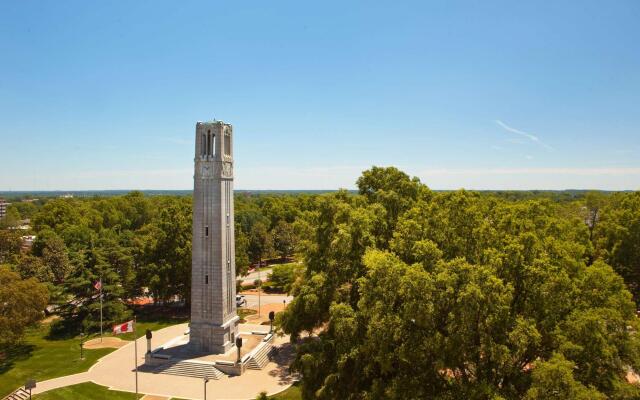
[240, 300]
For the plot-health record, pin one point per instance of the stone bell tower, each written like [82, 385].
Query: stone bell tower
[214, 322]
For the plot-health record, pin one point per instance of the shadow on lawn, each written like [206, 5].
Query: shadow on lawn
[10, 354]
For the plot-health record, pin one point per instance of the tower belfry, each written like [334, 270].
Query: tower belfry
[214, 322]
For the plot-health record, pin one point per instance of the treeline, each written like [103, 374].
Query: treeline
[410, 293]
[135, 245]
[415, 294]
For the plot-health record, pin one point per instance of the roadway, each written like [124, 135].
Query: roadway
[252, 299]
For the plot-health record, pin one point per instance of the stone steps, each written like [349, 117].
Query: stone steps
[191, 369]
[260, 358]
[19, 394]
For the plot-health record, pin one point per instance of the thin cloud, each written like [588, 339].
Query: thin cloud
[532, 171]
[529, 136]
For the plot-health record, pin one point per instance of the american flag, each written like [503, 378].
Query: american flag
[98, 284]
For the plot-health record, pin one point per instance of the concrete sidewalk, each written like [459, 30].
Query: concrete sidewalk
[116, 371]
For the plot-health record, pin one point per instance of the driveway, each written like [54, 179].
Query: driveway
[252, 299]
[251, 277]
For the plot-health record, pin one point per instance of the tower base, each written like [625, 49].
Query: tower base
[210, 338]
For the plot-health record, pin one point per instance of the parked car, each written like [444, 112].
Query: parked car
[240, 300]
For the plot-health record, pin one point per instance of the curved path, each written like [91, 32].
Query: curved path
[115, 370]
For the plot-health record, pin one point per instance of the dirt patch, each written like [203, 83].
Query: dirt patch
[107, 342]
[50, 319]
[632, 377]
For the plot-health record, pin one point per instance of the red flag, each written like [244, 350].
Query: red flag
[98, 284]
[124, 328]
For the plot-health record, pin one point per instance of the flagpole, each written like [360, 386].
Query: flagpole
[100, 309]
[135, 346]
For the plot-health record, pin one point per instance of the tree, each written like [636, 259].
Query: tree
[164, 253]
[283, 276]
[553, 379]
[22, 303]
[284, 239]
[394, 190]
[617, 235]
[260, 243]
[55, 257]
[83, 311]
[594, 201]
[262, 396]
[242, 249]
[12, 217]
[10, 243]
[29, 266]
[468, 294]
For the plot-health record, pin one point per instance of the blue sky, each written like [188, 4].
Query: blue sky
[474, 94]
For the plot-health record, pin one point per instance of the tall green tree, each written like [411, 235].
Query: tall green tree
[22, 304]
[56, 258]
[260, 242]
[469, 294]
[10, 243]
[284, 239]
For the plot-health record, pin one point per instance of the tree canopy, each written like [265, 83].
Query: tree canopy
[416, 294]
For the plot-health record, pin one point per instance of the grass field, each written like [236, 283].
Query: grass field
[88, 391]
[40, 357]
[92, 391]
[243, 312]
[293, 393]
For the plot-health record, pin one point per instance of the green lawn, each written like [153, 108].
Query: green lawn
[38, 358]
[243, 312]
[154, 325]
[293, 393]
[41, 358]
[90, 390]
[87, 390]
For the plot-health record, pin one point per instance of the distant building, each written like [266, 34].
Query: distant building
[27, 241]
[3, 208]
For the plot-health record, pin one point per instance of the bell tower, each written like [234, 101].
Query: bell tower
[214, 322]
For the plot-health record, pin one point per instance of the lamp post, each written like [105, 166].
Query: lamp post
[272, 316]
[259, 286]
[30, 385]
[81, 345]
[148, 335]
[206, 380]
[239, 346]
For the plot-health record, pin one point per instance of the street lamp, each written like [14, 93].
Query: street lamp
[81, 345]
[206, 380]
[272, 315]
[239, 346]
[30, 385]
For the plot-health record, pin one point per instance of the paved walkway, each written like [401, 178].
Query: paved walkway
[115, 371]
